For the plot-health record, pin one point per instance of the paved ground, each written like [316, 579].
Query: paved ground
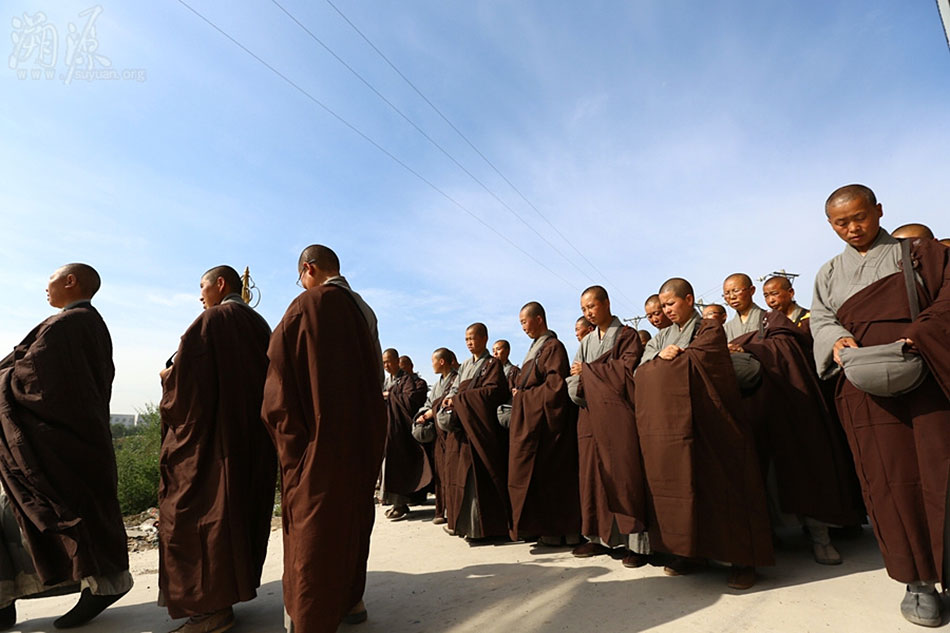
[421, 580]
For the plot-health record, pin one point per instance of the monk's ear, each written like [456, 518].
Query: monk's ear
[70, 281]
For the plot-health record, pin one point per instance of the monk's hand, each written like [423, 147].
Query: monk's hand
[576, 368]
[514, 392]
[447, 403]
[841, 343]
[670, 352]
[734, 348]
[385, 395]
[909, 345]
[421, 419]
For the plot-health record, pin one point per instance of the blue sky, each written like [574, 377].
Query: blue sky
[662, 138]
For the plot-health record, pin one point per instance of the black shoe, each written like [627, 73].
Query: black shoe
[8, 616]
[88, 607]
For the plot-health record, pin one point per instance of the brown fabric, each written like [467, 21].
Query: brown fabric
[813, 466]
[408, 468]
[324, 409]
[479, 450]
[436, 450]
[542, 451]
[218, 465]
[706, 493]
[56, 457]
[609, 389]
[512, 377]
[901, 445]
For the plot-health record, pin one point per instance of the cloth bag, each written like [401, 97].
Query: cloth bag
[883, 370]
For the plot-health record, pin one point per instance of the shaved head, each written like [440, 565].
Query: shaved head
[444, 353]
[231, 277]
[678, 286]
[912, 231]
[86, 276]
[846, 194]
[503, 344]
[324, 258]
[651, 300]
[534, 309]
[598, 292]
[479, 329]
[391, 352]
[777, 282]
[740, 277]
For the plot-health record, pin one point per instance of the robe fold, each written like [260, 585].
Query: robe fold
[609, 391]
[813, 466]
[218, 464]
[407, 468]
[542, 452]
[706, 495]
[901, 444]
[324, 410]
[477, 455]
[57, 464]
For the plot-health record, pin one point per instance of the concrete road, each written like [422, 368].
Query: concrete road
[422, 580]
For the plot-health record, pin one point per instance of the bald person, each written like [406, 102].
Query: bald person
[945, 242]
[445, 366]
[405, 364]
[476, 486]
[607, 531]
[582, 328]
[737, 290]
[867, 300]
[62, 529]
[913, 230]
[779, 295]
[645, 336]
[716, 312]
[655, 314]
[218, 465]
[699, 459]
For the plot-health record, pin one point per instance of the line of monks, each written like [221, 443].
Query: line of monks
[686, 447]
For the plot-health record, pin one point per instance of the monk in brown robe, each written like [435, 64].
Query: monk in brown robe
[945, 242]
[324, 408]
[582, 328]
[655, 314]
[611, 485]
[542, 453]
[706, 496]
[476, 446]
[218, 465]
[445, 366]
[866, 297]
[779, 295]
[501, 350]
[645, 336]
[407, 470]
[61, 525]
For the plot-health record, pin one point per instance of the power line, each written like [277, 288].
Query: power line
[368, 139]
[432, 141]
[476, 150]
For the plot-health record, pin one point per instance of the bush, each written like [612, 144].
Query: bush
[136, 459]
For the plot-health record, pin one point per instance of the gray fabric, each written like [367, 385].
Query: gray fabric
[425, 433]
[504, 415]
[469, 369]
[838, 280]
[735, 328]
[368, 314]
[883, 370]
[469, 522]
[591, 348]
[507, 368]
[671, 335]
[748, 370]
[536, 347]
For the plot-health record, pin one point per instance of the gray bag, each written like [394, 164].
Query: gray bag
[424, 433]
[883, 370]
[447, 421]
[748, 370]
[504, 415]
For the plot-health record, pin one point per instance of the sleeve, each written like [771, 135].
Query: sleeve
[825, 327]
[651, 350]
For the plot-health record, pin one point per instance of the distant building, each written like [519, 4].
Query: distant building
[125, 419]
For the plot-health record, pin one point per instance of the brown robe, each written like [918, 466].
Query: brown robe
[218, 465]
[706, 496]
[814, 469]
[542, 451]
[56, 457]
[901, 445]
[479, 450]
[609, 389]
[407, 468]
[324, 409]
[436, 452]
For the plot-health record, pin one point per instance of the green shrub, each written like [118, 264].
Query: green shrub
[136, 457]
